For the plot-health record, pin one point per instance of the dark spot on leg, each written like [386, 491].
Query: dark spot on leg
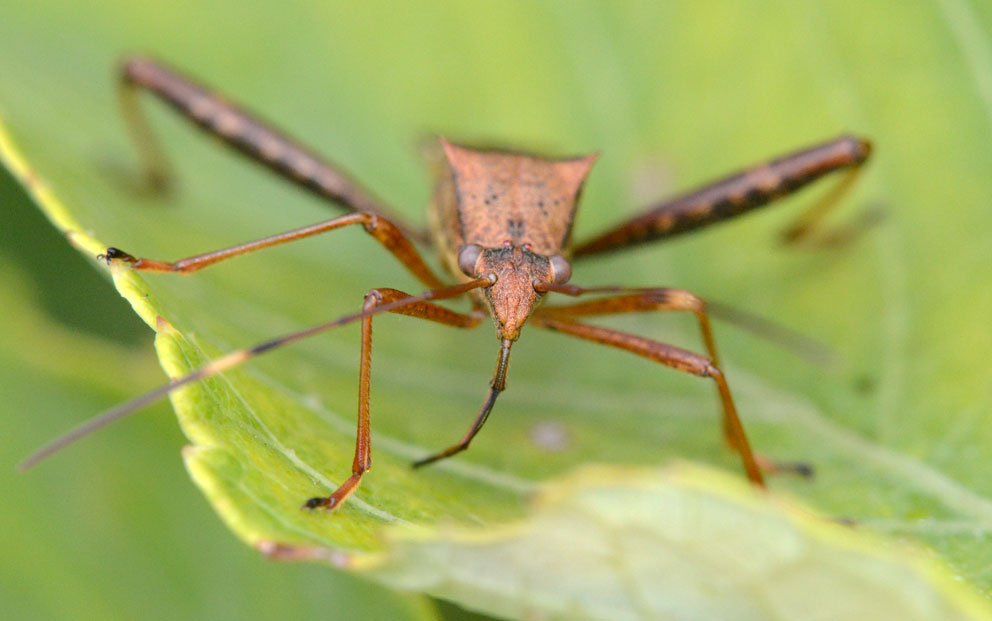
[723, 207]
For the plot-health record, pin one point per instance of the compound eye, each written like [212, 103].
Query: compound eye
[561, 270]
[468, 257]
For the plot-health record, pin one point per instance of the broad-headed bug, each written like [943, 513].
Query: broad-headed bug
[501, 224]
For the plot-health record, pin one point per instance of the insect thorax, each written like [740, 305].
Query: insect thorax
[500, 199]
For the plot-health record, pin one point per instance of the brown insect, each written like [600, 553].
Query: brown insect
[501, 224]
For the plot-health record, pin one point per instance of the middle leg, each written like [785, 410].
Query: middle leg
[385, 232]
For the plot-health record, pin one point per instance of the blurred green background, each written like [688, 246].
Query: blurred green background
[671, 93]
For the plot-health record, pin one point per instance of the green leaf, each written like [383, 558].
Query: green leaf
[122, 534]
[684, 543]
[898, 431]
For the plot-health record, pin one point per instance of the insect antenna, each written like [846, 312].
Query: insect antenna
[229, 361]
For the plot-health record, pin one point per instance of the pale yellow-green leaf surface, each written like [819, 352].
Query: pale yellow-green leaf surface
[670, 94]
[120, 534]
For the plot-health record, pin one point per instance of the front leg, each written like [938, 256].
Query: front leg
[398, 304]
[363, 441]
[676, 358]
[659, 300]
[640, 300]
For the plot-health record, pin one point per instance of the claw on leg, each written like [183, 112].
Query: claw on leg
[336, 499]
[116, 253]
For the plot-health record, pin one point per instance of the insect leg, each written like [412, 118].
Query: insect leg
[794, 342]
[363, 454]
[384, 231]
[660, 299]
[806, 225]
[233, 359]
[676, 358]
[496, 386]
[666, 299]
[242, 131]
[739, 194]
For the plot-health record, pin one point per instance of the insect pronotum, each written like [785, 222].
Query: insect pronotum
[501, 224]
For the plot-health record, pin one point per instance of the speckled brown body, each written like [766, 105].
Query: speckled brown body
[519, 209]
